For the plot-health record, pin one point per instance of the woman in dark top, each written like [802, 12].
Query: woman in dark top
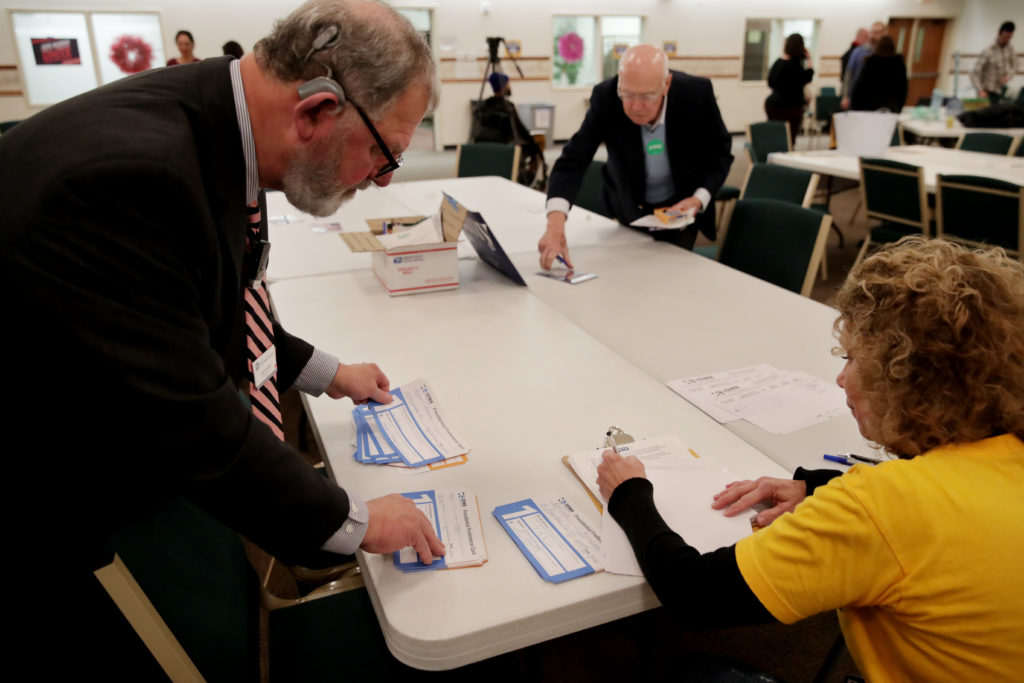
[186, 43]
[787, 80]
[882, 81]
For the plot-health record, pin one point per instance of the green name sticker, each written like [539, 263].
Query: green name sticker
[655, 147]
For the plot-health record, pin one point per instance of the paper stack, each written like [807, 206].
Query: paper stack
[410, 432]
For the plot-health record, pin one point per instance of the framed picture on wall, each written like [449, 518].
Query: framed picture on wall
[55, 55]
[126, 43]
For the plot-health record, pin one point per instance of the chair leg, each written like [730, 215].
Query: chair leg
[824, 266]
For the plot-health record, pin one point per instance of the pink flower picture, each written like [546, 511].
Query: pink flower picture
[570, 47]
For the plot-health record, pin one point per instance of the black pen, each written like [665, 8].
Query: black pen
[862, 458]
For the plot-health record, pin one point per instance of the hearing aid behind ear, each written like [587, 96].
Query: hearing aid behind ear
[328, 37]
[323, 84]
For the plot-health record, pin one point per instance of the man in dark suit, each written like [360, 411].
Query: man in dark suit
[667, 148]
[123, 259]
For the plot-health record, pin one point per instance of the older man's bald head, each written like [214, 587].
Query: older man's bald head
[643, 81]
[644, 59]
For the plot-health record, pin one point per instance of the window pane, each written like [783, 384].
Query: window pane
[617, 31]
[755, 50]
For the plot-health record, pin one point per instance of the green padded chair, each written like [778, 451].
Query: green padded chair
[777, 242]
[825, 105]
[184, 583]
[487, 158]
[1001, 223]
[990, 143]
[767, 137]
[771, 181]
[893, 193]
[591, 194]
[7, 125]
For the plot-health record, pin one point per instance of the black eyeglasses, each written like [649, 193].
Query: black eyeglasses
[393, 163]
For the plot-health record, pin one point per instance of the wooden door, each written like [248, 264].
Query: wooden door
[920, 43]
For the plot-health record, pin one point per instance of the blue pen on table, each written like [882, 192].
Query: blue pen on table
[563, 261]
[841, 459]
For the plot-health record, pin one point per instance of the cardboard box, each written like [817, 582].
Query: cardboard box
[418, 268]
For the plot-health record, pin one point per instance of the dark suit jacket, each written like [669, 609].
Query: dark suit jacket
[122, 237]
[699, 149]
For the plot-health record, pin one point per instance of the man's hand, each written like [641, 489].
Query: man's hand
[844, 103]
[983, 93]
[553, 242]
[361, 382]
[396, 523]
[689, 204]
[614, 469]
[784, 494]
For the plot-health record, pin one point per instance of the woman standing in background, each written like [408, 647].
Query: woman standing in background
[787, 80]
[882, 81]
[186, 43]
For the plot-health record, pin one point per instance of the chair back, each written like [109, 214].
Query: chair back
[767, 137]
[771, 181]
[825, 105]
[990, 143]
[827, 90]
[894, 192]
[1000, 223]
[777, 242]
[182, 580]
[591, 194]
[7, 125]
[487, 158]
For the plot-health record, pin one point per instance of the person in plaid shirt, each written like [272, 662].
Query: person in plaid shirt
[995, 66]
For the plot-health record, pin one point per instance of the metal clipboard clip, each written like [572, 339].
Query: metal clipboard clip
[615, 437]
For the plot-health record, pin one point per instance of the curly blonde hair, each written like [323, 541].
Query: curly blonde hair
[938, 334]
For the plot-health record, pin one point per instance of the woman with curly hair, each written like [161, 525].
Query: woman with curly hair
[920, 554]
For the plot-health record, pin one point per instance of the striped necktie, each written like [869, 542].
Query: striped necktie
[259, 334]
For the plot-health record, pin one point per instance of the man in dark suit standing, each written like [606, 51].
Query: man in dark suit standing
[667, 148]
[126, 251]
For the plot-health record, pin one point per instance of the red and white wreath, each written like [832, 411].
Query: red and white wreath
[131, 54]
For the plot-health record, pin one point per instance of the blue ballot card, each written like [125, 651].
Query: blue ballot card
[455, 518]
[559, 537]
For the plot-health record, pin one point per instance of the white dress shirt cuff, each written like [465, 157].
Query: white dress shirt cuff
[346, 540]
[704, 196]
[318, 373]
[558, 204]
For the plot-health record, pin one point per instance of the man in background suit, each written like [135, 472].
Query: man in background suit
[122, 255]
[667, 147]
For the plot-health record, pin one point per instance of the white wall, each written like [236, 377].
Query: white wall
[701, 27]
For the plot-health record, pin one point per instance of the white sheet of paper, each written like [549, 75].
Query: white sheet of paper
[778, 401]
[654, 223]
[425, 232]
[665, 452]
[683, 497]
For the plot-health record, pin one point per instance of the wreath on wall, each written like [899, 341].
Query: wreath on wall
[131, 54]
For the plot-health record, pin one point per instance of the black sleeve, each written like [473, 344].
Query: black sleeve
[568, 171]
[815, 478]
[704, 591]
[717, 159]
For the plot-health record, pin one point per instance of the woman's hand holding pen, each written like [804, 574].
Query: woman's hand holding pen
[614, 469]
[784, 494]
